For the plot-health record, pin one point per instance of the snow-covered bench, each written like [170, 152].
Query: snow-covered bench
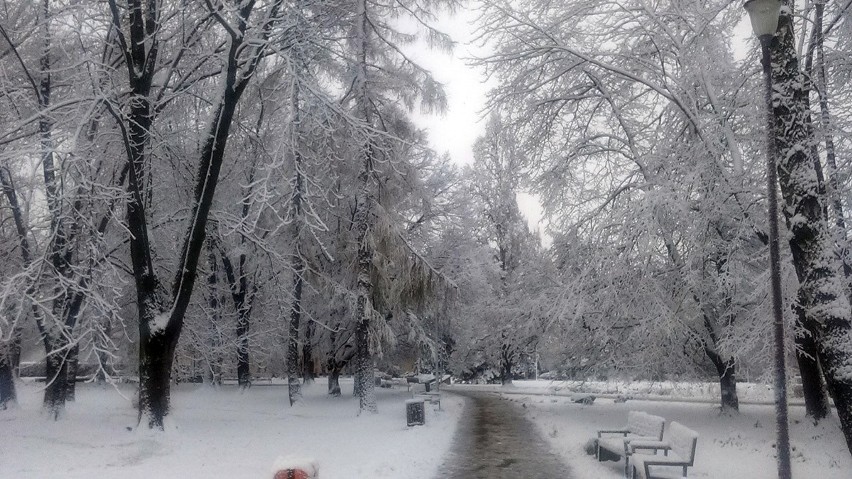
[678, 449]
[433, 397]
[640, 426]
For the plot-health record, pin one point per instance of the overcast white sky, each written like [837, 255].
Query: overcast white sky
[456, 130]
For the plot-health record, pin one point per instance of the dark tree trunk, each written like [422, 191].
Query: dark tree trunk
[243, 362]
[814, 391]
[294, 387]
[339, 355]
[364, 385]
[242, 298]
[507, 360]
[62, 357]
[334, 380]
[308, 353]
[297, 262]
[727, 371]
[813, 387]
[101, 341]
[73, 361]
[8, 395]
[364, 382]
[10, 353]
[728, 387]
[14, 350]
[215, 360]
[56, 372]
[825, 302]
[140, 50]
[55, 342]
[156, 356]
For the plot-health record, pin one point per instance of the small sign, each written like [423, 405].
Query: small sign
[415, 412]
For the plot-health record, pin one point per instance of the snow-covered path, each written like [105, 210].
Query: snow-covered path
[495, 441]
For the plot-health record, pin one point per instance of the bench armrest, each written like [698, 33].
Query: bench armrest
[623, 432]
[651, 445]
[647, 463]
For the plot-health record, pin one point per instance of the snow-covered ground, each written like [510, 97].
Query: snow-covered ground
[739, 446]
[222, 433]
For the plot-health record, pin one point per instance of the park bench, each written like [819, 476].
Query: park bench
[433, 397]
[678, 450]
[640, 426]
[427, 380]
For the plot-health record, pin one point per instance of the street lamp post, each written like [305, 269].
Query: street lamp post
[764, 21]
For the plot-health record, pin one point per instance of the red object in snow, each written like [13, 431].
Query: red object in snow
[292, 474]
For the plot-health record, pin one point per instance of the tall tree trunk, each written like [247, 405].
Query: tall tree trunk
[8, 395]
[727, 371]
[10, 353]
[101, 345]
[364, 373]
[728, 387]
[156, 346]
[507, 360]
[214, 368]
[243, 361]
[814, 391]
[334, 380]
[821, 290]
[14, 350]
[339, 355]
[62, 354]
[156, 356]
[242, 297]
[55, 342]
[73, 361]
[294, 388]
[308, 374]
[807, 357]
[56, 378]
[297, 263]
[55, 338]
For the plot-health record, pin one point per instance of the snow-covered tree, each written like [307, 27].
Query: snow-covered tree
[634, 137]
[495, 179]
[822, 296]
[138, 30]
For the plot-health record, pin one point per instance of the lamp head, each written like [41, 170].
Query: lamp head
[763, 15]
